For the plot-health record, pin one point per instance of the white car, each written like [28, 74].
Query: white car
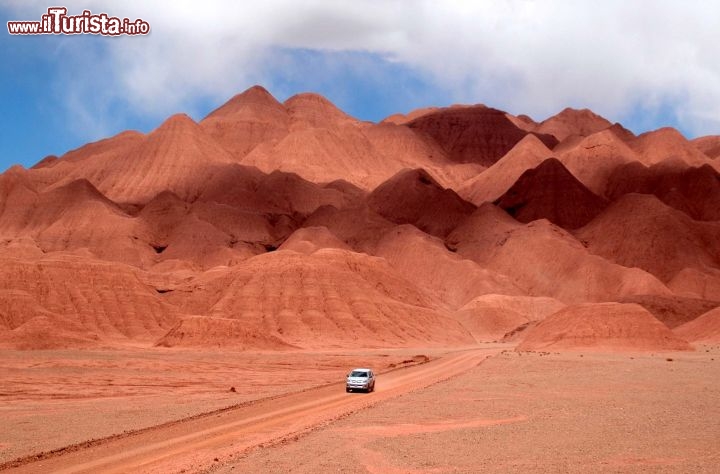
[360, 379]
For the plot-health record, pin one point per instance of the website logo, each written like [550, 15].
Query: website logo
[57, 22]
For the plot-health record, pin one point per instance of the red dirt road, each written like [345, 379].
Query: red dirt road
[196, 444]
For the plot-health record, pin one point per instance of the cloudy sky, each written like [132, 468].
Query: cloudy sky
[644, 63]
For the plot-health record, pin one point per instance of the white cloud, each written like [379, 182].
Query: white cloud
[525, 56]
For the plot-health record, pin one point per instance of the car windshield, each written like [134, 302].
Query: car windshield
[358, 373]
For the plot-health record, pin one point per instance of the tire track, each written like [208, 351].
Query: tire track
[197, 443]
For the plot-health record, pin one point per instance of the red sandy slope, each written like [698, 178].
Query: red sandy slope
[705, 328]
[476, 134]
[572, 122]
[549, 191]
[602, 326]
[386, 232]
[638, 230]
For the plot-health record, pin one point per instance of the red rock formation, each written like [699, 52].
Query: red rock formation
[414, 197]
[602, 327]
[705, 328]
[640, 231]
[667, 144]
[427, 263]
[246, 120]
[593, 159]
[69, 301]
[570, 121]
[549, 191]
[675, 310]
[270, 226]
[491, 317]
[693, 190]
[475, 134]
[544, 260]
[489, 185]
[709, 145]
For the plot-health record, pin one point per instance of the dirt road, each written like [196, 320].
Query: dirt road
[196, 444]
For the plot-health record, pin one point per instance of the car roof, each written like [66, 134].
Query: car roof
[361, 369]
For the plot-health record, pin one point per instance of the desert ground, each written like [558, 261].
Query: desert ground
[500, 410]
[55, 399]
[527, 412]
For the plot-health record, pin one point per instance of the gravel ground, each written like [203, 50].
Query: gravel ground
[53, 399]
[528, 412]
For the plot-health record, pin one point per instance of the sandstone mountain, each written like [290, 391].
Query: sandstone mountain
[273, 225]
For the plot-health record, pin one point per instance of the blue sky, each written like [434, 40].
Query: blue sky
[646, 63]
